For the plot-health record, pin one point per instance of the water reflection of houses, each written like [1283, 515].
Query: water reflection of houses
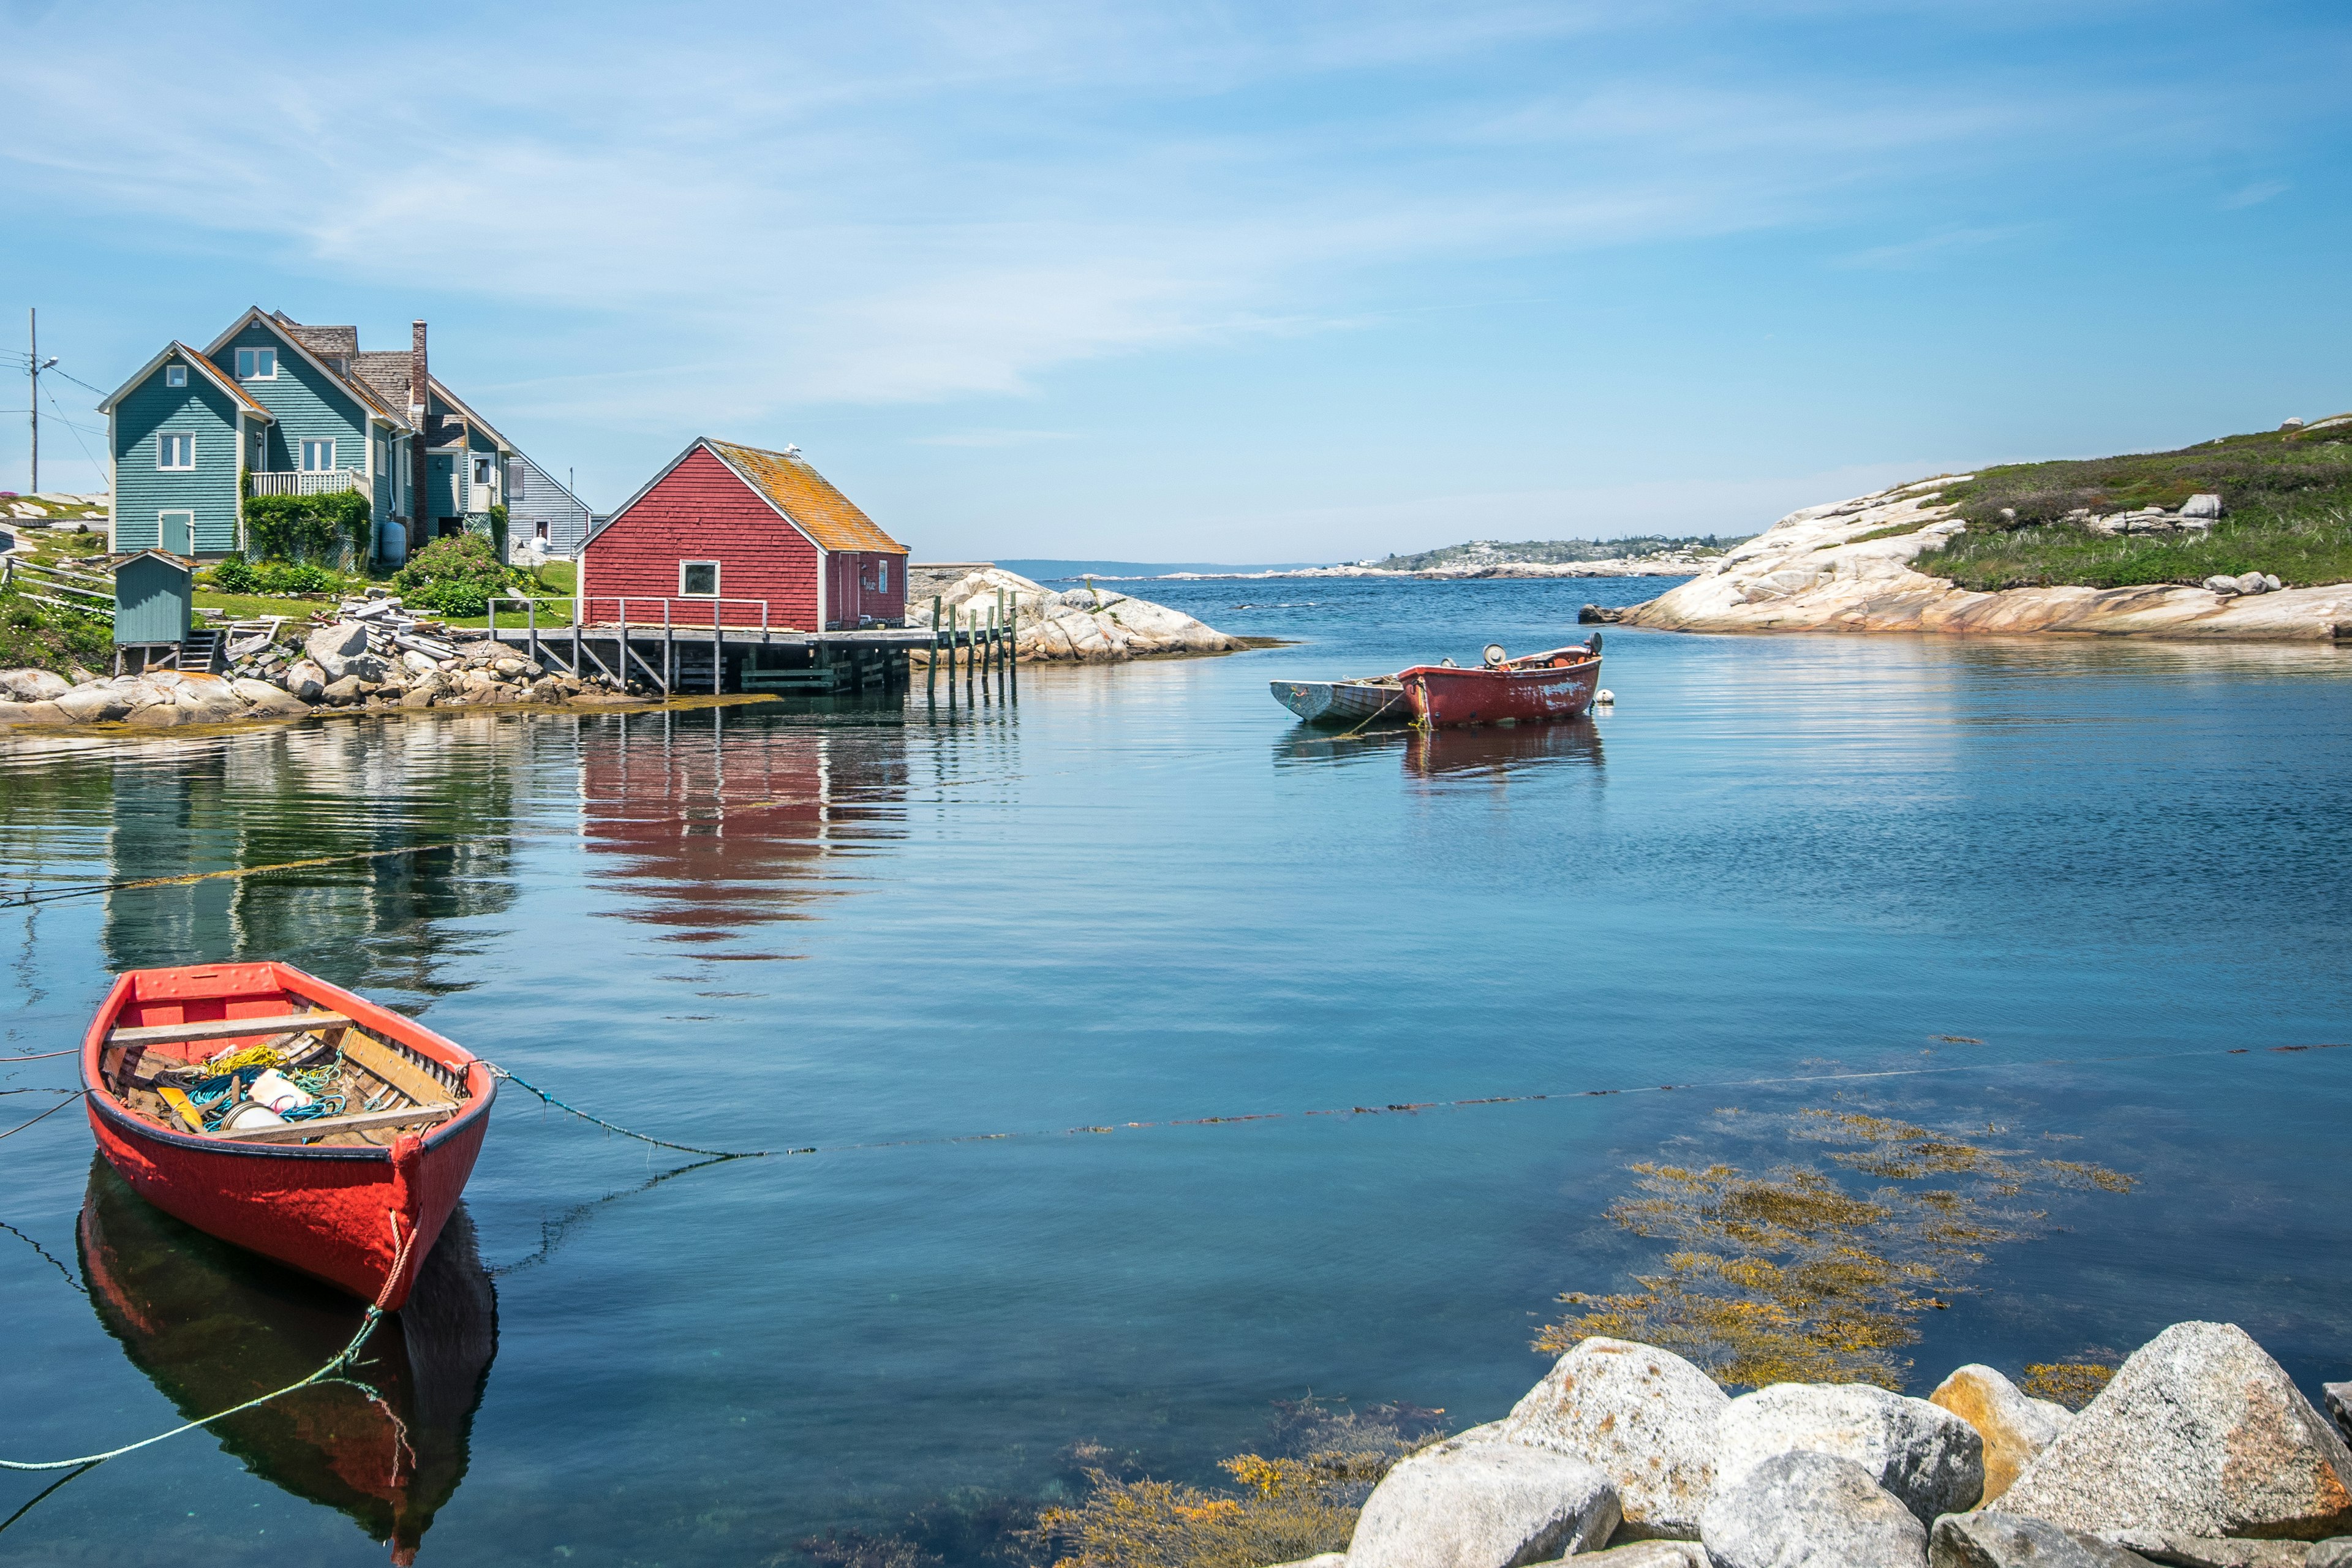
[414, 819]
[717, 819]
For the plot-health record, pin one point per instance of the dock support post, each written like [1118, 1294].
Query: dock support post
[531, 613]
[931, 677]
[1012, 669]
[718, 652]
[579, 609]
[669, 654]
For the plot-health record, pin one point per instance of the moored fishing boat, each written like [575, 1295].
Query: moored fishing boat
[1535, 687]
[287, 1116]
[1360, 700]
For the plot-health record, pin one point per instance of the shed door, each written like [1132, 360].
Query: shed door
[179, 529]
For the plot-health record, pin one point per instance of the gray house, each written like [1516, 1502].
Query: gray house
[539, 508]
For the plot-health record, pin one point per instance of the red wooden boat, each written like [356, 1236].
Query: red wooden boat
[357, 1197]
[1535, 687]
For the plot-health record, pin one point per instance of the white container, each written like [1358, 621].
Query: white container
[276, 1090]
[251, 1116]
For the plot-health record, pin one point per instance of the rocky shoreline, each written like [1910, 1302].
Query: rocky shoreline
[1846, 567]
[1083, 626]
[334, 671]
[2199, 1452]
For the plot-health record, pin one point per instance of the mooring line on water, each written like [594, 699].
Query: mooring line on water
[715, 1155]
[341, 1359]
[52, 1261]
[41, 1056]
[52, 1111]
[89, 890]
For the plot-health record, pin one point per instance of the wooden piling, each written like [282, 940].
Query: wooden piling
[932, 678]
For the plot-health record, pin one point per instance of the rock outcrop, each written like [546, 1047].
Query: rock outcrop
[1480, 1500]
[1921, 1454]
[2006, 1541]
[1810, 1511]
[2015, 1426]
[1645, 1417]
[2199, 1433]
[1081, 626]
[1821, 569]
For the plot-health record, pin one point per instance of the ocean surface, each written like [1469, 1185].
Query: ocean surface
[1126, 1022]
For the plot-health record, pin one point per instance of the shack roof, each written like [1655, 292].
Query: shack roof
[806, 497]
[204, 367]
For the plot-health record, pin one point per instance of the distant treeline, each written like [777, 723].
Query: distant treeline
[1489, 551]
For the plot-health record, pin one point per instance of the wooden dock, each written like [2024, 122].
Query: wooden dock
[676, 660]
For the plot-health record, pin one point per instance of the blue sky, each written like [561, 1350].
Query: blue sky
[1223, 282]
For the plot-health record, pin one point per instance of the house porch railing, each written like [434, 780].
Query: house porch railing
[295, 484]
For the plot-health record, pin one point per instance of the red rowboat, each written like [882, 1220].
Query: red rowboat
[357, 1197]
[1532, 688]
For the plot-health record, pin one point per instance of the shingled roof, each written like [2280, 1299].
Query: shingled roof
[806, 497]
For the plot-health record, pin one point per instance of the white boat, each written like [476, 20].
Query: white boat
[1362, 701]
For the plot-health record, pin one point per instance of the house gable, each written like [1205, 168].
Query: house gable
[308, 400]
[700, 509]
[209, 412]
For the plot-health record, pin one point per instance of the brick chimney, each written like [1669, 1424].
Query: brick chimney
[420, 400]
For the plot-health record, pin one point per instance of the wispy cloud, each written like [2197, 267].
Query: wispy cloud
[2255, 194]
[1926, 249]
[991, 439]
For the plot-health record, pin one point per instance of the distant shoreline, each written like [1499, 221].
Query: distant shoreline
[1500, 570]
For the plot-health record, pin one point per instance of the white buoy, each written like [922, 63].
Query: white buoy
[1605, 696]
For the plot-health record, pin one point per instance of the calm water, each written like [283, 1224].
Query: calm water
[1143, 896]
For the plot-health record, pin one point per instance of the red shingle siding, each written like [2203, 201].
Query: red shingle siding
[700, 511]
[848, 596]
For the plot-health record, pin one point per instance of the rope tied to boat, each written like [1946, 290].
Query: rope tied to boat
[342, 1358]
[530, 1088]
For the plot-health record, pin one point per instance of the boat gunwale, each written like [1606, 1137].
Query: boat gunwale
[359, 1009]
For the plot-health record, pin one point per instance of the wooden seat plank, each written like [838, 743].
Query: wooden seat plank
[393, 1068]
[221, 1028]
[295, 1132]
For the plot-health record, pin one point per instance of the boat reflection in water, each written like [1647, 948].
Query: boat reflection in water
[1501, 748]
[384, 1441]
[1494, 750]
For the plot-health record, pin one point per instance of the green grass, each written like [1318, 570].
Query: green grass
[252, 606]
[37, 636]
[2287, 498]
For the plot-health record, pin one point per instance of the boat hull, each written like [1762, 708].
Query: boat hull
[362, 1218]
[1441, 696]
[1340, 701]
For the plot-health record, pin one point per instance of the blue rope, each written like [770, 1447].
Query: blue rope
[531, 1088]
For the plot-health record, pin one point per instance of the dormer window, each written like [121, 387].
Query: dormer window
[175, 375]
[257, 364]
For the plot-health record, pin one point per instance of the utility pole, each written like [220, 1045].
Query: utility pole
[34, 367]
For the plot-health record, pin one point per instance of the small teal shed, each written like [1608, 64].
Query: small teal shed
[154, 600]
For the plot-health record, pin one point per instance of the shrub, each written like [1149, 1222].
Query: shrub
[455, 577]
[231, 575]
[331, 528]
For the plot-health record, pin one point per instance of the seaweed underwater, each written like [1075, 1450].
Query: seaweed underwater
[1788, 1275]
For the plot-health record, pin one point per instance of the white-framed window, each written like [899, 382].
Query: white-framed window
[174, 450]
[318, 456]
[882, 577]
[698, 579]
[257, 364]
[175, 375]
[481, 470]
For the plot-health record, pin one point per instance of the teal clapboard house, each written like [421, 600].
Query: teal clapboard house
[276, 407]
[154, 600]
